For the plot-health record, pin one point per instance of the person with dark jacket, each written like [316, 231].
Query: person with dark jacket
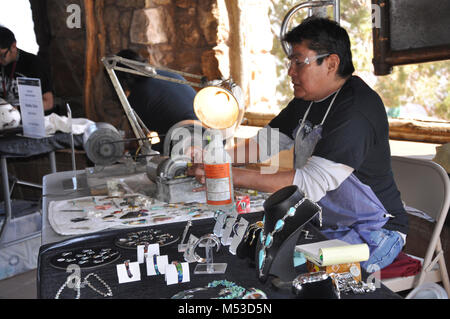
[160, 104]
[18, 63]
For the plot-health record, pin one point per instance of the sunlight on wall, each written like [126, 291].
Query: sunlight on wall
[16, 16]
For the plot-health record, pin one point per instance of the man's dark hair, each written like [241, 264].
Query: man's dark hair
[324, 36]
[127, 79]
[7, 38]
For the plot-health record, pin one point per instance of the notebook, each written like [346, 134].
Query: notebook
[333, 252]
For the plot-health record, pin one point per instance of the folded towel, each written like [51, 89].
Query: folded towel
[402, 266]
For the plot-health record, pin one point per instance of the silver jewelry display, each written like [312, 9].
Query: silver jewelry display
[192, 256]
[346, 283]
[85, 258]
[149, 236]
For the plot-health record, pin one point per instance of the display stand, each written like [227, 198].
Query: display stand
[181, 246]
[287, 211]
[209, 267]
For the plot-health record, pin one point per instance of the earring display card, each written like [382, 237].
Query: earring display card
[189, 253]
[240, 232]
[220, 224]
[177, 275]
[226, 235]
[128, 274]
[159, 268]
[152, 249]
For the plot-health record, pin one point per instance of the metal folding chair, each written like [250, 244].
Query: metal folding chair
[425, 186]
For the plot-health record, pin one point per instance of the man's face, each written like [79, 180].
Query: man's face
[309, 79]
[7, 55]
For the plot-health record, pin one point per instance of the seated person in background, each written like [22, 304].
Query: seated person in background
[18, 63]
[160, 104]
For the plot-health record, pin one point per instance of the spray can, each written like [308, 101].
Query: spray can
[218, 175]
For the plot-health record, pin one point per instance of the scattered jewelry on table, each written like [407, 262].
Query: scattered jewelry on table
[136, 214]
[80, 219]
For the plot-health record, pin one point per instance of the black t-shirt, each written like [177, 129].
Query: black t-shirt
[355, 133]
[161, 104]
[28, 65]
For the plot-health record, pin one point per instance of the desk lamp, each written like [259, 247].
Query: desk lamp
[215, 104]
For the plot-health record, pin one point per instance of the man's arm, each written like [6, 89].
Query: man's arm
[48, 101]
[269, 183]
[244, 152]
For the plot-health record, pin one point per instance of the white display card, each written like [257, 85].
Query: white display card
[192, 240]
[220, 224]
[237, 238]
[161, 263]
[31, 107]
[122, 273]
[172, 274]
[226, 235]
[153, 249]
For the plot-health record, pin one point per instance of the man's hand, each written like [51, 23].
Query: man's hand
[198, 171]
[47, 99]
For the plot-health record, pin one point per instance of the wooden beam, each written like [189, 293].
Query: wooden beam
[399, 129]
[95, 50]
[419, 131]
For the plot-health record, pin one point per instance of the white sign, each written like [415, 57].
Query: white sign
[31, 107]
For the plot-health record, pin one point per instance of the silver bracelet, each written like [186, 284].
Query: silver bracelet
[202, 239]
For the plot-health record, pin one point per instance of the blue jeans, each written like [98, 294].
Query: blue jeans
[388, 245]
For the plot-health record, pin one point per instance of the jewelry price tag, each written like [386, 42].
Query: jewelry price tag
[239, 234]
[177, 273]
[146, 250]
[156, 265]
[226, 235]
[128, 272]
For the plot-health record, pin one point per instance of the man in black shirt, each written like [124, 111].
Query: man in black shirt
[18, 63]
[160, 104]
[339, 130]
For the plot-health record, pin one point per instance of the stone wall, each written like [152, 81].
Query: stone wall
[215, 38]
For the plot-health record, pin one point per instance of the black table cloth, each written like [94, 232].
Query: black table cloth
[239, 271]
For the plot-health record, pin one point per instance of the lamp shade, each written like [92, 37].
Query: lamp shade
[216, 107]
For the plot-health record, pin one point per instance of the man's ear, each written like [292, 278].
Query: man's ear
[333, 62]
[14, 48]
